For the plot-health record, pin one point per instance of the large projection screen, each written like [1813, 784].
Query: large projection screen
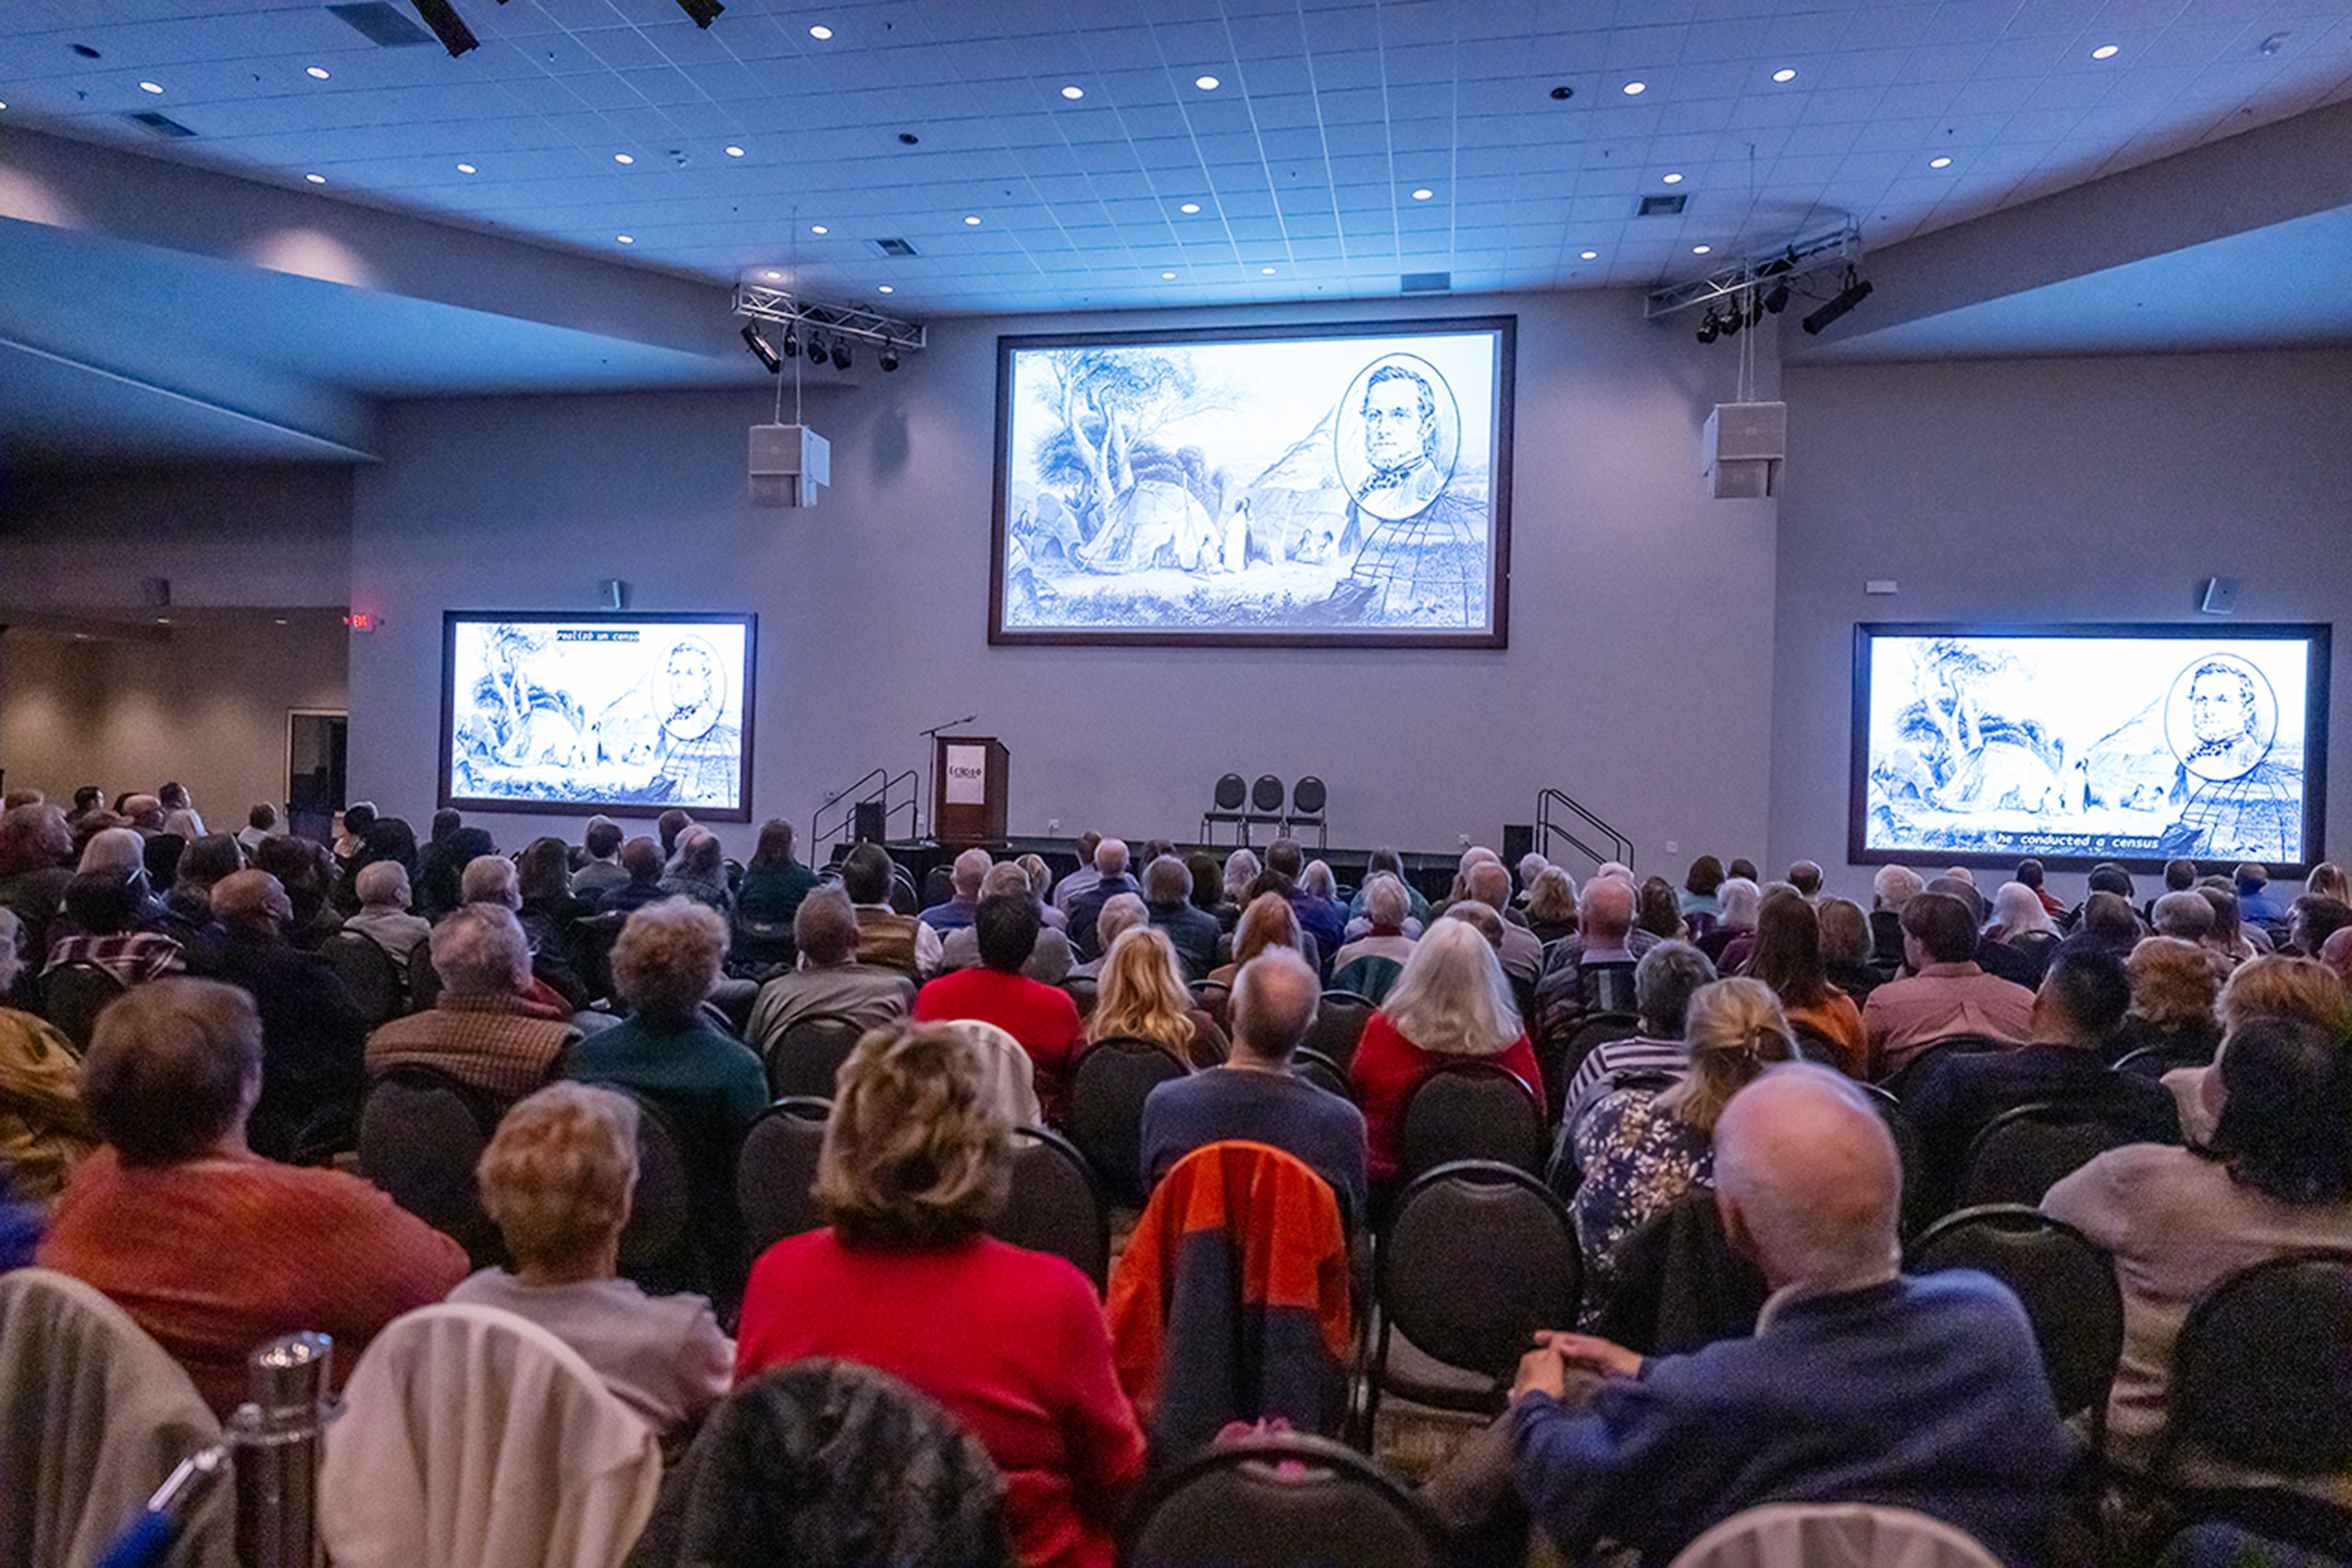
[624, 714]
[1338, 486]
[1980, 745]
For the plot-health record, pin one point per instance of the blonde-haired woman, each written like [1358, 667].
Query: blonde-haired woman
[557, 1180]
[1451, 1003]
[1140, 995]
[1639, 1150]
[1012, 1343]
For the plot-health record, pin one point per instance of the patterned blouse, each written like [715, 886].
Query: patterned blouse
[1637, 1160]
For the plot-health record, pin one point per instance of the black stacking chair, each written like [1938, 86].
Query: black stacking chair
[810, 1052]
[1083, 990]
[2066, 1283]
[1906, 1149]
[1057, 1205]
[1280, 1500]
[1471, 1110]
[1265, 806]
[1322, 1072]
[1107, 1088]
[73, 995]
[777, 1169]
[1230, 793]
[2155, 1061]
[1307, 801]
[1339, 1018]
[423, 981]
[663, 1247]
[420, 1135]
[368, 974]
[2023, 1152]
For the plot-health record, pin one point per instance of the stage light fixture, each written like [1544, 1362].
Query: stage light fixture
[841, 353]
[1712, 328]
[759, 345]
[447, 26]
[791, 343]
[1778, 300]
[890, 357]
[1855, 293]
[816, 348]
[1734, 319]
[704, 12]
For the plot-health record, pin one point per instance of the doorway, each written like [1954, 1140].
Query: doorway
[315, 743]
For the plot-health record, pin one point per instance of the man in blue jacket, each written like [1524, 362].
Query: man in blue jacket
[1860, 1385]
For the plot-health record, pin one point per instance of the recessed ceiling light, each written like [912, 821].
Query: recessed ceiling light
[1073, 92]
[1267, 270]
[1189, 206]
[1423, 193]
[1784, 74]
[162, 620]
[316, 179]
[773, 277]
[818, 229]
[1167, 276]
[1940, 162]
[2104, 51]
[975, 222]
[1701, 250]
[820, 32]
[1674, 179]
[626, 239]
[888, 289]
[1207, 84]
[319, 72]
[1591, 256]
[734, 152]
[466, 169]
[1636, 89]
[623, 158]
[149, 87]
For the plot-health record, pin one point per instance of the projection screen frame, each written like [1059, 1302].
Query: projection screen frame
[2316, 636]
[1496, 634]
[452, 619]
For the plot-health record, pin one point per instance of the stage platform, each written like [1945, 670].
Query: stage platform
[1432, 874]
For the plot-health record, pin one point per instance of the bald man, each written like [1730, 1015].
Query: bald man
[1592, 969]
[1860, 1386]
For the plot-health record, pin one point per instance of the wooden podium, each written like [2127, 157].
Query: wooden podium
[968, 787]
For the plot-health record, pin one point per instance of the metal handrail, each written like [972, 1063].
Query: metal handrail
[851, 797]
[1621, 848]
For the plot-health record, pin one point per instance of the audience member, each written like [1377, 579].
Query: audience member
[1050, 961]
[350, 834]
[1699, 886]
[1083, 879]
[1846, 949]
[971, 869]
[640, 861]
[1167, 898]
[101, 927]
[1318, 917]
[442, 861]
[2174, 986]
[43, 1135]
[2184, 915]
[2256, 904]
[173, 798]
[1551, 905]
[1387, 860]
[1012, 1343]
[557, 1180]
[1955, 1094]
[1788, 959]
[669, 828]
[2298, 990]
[312, 1032]
[1256, 1096]
[211, 1248]
[1658, 911]
[1452, 1004]
[1922, 1393]
[1804, 875]
[2327, 880]
[1041, 883]
[1121, 913]
[1208, 887]
[828, 979]
[304, 870]
[885, 937]
[383, 917]
[1891, 888]
[187, 907]
[2336, 953]
[1733, 936]
[118, 850]
[1143, 996]
[1591, 970]
[601, 871]
[1639, 1149]
[36, 863]
[1267, 922]
[1664, 980]
[2017, 945]
[1242, 870]
[87, 799]
[1522, 951]
[2030, 873]
[2275, 1178]
[1043, 1018]
[1368, 964]
[705, 1084]
[1948, 993]
[1085, 907]
[768, 898]
[2232, 938]
[144, 812]
[699, 871]
[2104, 920]
[1962, 888]
[481, 1031]
[2310, 920]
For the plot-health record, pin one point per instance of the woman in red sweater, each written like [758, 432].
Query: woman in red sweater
[1451, 1003]
[1011, 1342]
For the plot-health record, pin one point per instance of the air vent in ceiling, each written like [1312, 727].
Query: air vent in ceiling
[162, 125]
[891, 247]
[1663, 206]
[1425, 282]
[382, 25]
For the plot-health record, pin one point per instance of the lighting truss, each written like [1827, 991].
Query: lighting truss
[1793, 262]
[842, 320]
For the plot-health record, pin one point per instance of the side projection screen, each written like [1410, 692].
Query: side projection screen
[1338, 486]
[627, 715]
[2075, 744]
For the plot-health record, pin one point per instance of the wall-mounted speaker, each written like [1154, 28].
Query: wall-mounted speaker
[612, 593]
[868, 822]
[1519, 842]
[2219, 596]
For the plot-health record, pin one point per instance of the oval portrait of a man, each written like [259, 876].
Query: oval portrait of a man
[694, 689]
[1396, 435]
[2221, 717]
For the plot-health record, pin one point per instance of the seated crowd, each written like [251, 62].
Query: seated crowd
[1757, 1074]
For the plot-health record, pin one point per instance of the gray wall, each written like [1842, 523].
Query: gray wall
[1638, 677]
[2046, 490]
